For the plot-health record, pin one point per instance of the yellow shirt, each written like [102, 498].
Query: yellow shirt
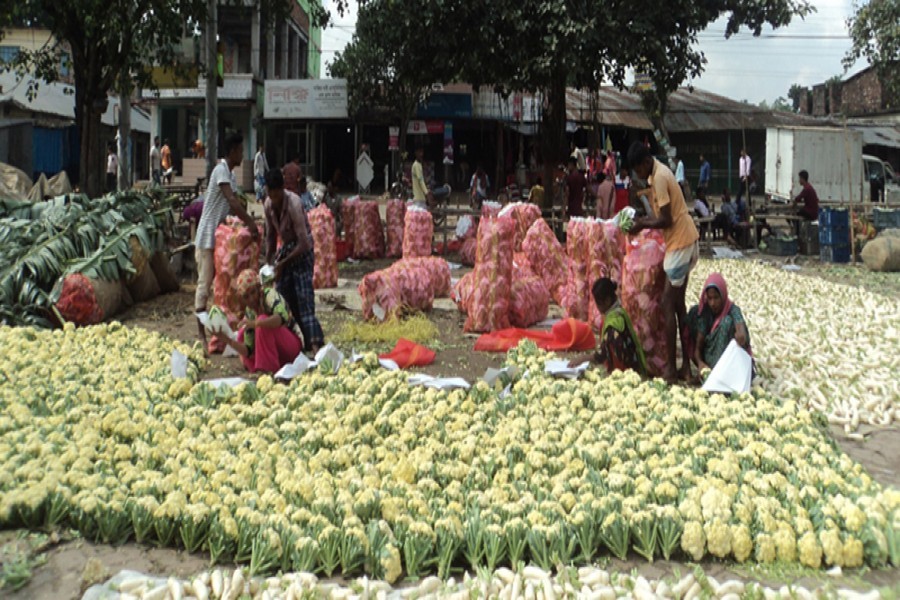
[537, 195]
[664, 190]
[419, 189]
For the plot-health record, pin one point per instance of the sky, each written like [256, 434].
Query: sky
[808, 51]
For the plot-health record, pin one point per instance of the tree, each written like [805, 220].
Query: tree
[796, 94]
[111, 44]
[876, 36]
[395, 56]
[547, 45]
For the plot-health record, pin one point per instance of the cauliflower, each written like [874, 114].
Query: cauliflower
[693, 540]
[832, 546]
[741, 542]
[718, 538]
[810, 551]
[765, 548]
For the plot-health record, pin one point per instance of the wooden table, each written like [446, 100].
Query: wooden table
[761, 219]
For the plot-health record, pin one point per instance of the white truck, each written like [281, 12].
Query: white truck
[831, 156]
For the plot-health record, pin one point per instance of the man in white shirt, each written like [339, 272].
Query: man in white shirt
[578, 155]
[155, 163]
[221, 199]
[112, 170]
[260, 168]
[679, 171]
[744, 165]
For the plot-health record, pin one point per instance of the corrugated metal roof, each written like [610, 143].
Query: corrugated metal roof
[57, 99]
[880, 134]
[689, 110]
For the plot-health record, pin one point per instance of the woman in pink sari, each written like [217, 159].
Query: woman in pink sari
[266, 341]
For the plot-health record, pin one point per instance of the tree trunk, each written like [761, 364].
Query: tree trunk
[125, 167]
[212, 97]
[553, 133]
[88, 124]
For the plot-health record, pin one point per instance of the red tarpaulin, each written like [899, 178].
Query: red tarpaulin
[568, 334]
[409, 354]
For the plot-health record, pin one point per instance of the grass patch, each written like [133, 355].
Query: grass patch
[417, 328]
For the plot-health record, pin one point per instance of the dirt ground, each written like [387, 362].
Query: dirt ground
[61, 568]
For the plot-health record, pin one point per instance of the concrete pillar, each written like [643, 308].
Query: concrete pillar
[270, 51]
[295, 57]
[285, 32]
[254, 44]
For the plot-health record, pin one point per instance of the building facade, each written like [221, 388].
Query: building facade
[254, 49]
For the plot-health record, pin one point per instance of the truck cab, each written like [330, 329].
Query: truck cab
[883, 182]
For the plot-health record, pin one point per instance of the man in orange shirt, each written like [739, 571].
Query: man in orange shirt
[166, 157]
[671, 215]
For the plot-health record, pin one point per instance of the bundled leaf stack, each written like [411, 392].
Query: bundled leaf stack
[43, 242]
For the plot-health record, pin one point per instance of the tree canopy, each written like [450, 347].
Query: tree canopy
[546, 45]
[876, 37]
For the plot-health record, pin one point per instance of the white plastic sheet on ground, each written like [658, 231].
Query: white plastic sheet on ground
[732, 373]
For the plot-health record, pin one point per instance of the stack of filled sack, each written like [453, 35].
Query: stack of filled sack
[642, 284]
[395, 214]
[595, 249]
[321, 221]
[524, 215]
[410, 284]
[466, 233]
[547, 258]
[418, 232]
[502, 290]
[234, 252]
[368, 232]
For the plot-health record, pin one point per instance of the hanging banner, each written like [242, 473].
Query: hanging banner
[424, 127]
[393, 138]
[448, 143]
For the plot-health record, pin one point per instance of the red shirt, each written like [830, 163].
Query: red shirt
[810, 200]
[575, 183]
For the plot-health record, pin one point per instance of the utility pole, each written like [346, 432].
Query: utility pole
[212, 99]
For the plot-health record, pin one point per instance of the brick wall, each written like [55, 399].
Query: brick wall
[862, 94]
[819, 108]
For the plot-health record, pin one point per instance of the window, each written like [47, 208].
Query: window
[8, 53]
[65, 64]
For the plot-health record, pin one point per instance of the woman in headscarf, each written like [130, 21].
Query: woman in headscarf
[714, 323]
[266, 341]
[619, 347]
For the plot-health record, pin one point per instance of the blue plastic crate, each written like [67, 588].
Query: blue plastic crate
[834, 236]
[835, 254]
[834, 217]
[885, 218]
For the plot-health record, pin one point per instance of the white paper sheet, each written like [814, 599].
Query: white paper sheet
[388, 364]
[561, 368]
[440, 383]
[453, 266]
[329, 352]
[300, 365]
[732, 373]
[179, 365]
[491, 375]
[229, 352]
[723, 252]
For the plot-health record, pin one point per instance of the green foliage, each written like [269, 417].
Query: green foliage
[42, 242]
[876, 37]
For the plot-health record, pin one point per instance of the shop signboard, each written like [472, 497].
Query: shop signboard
[306, 99]
[393, 138]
